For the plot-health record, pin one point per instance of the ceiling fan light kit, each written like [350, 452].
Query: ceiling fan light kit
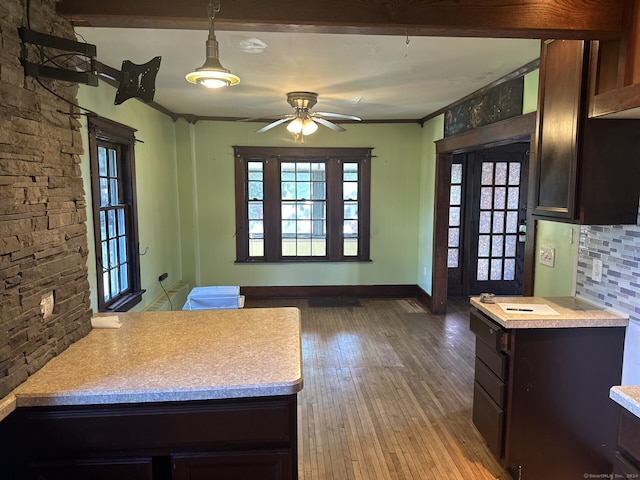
[303, 121]
[212, 74]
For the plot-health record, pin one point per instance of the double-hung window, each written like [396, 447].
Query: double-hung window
[114, 214]
[302, 204]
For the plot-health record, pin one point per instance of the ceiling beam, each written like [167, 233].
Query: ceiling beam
[588, 19]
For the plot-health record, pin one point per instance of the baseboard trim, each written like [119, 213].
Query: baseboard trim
[366, 291]
[425, 299]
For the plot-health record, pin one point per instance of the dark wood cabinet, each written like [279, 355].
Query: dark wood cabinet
[95, 469]
[250, 438]
[274, 465]
[541, 397]
[585, 168]
[615, 70]
[627, 462]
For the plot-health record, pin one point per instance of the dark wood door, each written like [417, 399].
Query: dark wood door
[487, 216]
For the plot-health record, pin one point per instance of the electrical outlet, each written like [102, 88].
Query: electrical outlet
[163, 277]
[547, 256]
[596, 270]
[46, 305]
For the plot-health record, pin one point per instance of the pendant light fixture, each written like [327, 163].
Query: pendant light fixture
[212, 74]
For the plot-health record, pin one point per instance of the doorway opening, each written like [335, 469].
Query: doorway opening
[516, 130]
[487, 220]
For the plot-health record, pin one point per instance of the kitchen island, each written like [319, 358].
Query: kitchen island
[543, 371]
[168, 395]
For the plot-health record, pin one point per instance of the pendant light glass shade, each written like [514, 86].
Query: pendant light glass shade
[212, 74]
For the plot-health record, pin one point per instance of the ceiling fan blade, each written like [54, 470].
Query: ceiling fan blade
[273, 124]
[264, 118]
[329, 124]
[338, 115]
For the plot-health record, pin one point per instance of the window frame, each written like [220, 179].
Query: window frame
[272, 157]
[105, 132]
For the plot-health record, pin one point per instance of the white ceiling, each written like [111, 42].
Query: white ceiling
[375, 77]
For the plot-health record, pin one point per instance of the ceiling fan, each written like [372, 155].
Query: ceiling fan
[303, 121]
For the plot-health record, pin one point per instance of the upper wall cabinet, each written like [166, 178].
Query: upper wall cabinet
[585, 169]
[615, 71]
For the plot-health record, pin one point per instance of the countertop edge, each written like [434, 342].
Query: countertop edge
[141, 397]
[7, 405]
[548, 322]
[627, 397]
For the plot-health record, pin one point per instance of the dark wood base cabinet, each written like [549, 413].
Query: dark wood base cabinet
[541, 398]
[239, 439]
[627, 462]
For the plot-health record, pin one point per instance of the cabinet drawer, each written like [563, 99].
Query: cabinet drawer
[494, 386]
[629, 434]
[488, 418]
[488, 331]
[251, 465]
[497, 362]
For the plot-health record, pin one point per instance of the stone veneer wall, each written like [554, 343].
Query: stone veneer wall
[43, 241]
[619, 249]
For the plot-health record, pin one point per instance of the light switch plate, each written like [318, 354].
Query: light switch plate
[547, 256]
[596, 270]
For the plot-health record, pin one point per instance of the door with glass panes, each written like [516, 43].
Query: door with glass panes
[487, 214]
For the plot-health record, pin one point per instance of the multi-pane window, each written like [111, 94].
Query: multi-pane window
[455, 216]
[308, 204]
[303, 201]
[114, 214]
[498, 223]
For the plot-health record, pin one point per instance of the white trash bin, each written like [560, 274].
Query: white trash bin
[214, 298]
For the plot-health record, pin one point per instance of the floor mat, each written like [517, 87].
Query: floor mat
[334, 302]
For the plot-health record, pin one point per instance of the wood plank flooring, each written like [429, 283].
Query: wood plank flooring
[387, 393]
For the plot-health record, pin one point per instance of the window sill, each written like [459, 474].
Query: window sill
[126, 302]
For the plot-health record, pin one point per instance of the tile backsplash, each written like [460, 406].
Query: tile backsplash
[618, 247]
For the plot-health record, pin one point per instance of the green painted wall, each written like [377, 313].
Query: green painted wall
[157, 188]
[433, 130]
[530, 93]
[185, 182]
[395, 198]
[559, 280]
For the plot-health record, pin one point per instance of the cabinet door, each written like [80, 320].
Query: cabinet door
[271, 465]
[99, 469]
[559, 112]
[488, 418]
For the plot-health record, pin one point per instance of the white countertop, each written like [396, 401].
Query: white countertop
[572, 312]
[173, 356]
[628, 397]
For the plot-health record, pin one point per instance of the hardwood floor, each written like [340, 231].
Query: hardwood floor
[387, 393]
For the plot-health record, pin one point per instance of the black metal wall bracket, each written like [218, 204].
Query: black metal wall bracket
[133, 80]
[69, 47]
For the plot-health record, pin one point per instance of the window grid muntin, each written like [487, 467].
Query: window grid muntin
[255, 208]
[498, 225]
[303, 209]
[114, 234]
[455, 215]
[350, 208]
[272, 156]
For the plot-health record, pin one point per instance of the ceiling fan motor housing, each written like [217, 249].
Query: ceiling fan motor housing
[302, 100]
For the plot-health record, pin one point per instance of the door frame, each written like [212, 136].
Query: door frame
[516, 129]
